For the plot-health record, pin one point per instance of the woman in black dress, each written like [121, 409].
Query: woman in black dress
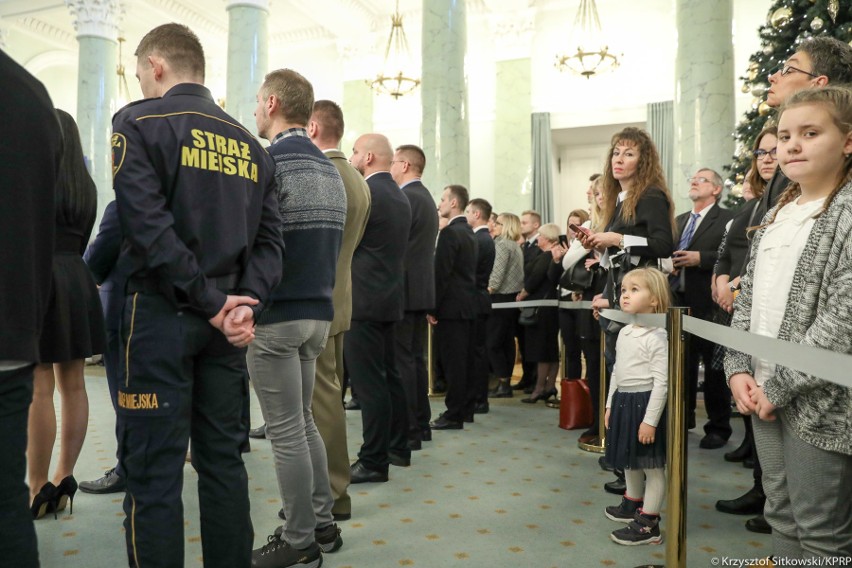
[542, 339]
[73, 330]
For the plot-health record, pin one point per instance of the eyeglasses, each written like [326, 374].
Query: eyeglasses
[697, 180]
[760, 153]
[787, 69]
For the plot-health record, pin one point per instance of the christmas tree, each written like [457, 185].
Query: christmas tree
[789, 23]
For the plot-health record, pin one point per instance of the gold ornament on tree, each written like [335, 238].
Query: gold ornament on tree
[781, 17]
[817, 24]
[746, 88]
[763, 109]
[833, 7]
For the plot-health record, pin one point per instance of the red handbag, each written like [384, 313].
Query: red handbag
[575, 406]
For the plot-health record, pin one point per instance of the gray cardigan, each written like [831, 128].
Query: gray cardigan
[818, 313]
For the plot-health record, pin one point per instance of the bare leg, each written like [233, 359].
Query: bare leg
[75, 416]
[41, 428]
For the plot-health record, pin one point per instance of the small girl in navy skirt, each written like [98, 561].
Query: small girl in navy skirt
[635, 410]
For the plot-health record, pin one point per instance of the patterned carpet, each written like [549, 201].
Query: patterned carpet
[510, 490]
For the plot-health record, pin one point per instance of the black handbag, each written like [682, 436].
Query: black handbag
[528, 317]
[580, 279]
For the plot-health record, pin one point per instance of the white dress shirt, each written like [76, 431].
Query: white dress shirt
[642, 365]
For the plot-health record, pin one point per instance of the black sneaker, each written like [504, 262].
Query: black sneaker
[276, 553]
[328, 538]
[624, 512]
[641, 530]
[109, 483]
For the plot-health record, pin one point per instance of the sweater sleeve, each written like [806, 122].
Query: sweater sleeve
[501, 261]
[831, 329]
[658, 357]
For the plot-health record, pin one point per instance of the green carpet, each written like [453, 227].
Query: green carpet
[510, 490]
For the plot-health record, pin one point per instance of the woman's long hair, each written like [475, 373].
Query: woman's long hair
[649, 173]
[76, 195]
[758, 185]
[838, 102]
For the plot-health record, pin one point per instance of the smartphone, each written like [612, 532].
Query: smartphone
[578, 229]
[563, 240]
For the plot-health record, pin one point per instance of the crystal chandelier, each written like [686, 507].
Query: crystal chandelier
[393, 80]
[593, 55]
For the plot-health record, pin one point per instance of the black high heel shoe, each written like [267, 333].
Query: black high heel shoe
[550, 394]
[65, 494]
[543, 395]
[44, 501]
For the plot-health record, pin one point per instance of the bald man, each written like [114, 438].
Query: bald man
[378, 303]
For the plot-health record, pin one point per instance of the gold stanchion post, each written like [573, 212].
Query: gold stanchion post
[598, 445]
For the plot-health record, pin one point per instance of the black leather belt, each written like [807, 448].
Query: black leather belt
[153, 285]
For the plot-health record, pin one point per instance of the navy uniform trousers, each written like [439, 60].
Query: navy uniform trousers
[179, 378]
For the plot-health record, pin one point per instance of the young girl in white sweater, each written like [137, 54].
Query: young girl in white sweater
[635, 410]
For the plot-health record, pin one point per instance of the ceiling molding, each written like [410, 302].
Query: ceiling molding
[192, 18]
[54, 58]
[45, 31]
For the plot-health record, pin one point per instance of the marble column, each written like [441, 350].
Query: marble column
[512, 136]
[357, 108]
[96, 23]
[248, 57]
[704, 113]
[445, 129]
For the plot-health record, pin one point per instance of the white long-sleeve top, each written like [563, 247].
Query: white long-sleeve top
[642, 363]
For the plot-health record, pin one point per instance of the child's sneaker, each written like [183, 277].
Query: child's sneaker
[643, 529]
[625, 511]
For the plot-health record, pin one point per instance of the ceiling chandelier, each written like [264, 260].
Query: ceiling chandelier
[123, 89]
[593, 56]
[393, 80]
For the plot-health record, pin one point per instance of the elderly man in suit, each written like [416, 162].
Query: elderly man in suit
[407, 168]
[455, 307]
[378, 304]
[700, 233]
[325, 128]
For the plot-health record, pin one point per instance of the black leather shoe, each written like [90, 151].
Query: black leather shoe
[605, 465]
[521, 385]
[690, 421]
[398, 460]
[258, 433]
[503, 390]
[415, 444]
[751, 503]
[758, 525]
[740, 454]
[481, 408]
[468, 418]
[352, 404]
[748, 463]
[359, 473]
[712, 442]
[109, 483]
[617, 487]
[426, 435]
[442, 423]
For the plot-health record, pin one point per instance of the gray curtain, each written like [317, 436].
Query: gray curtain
[661, 129]
[542, 166]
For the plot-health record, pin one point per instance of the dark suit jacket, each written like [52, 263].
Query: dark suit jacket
[537, 282]
[378, 264]
[485, 253]
[531, 251]
[652, 221]
[706, 241]
[455, 272]
[420, 256]
[737, 242]
[102, 259]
